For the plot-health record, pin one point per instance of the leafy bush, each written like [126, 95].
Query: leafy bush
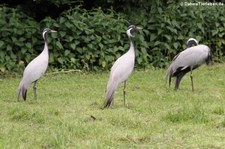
[17, 39]
[168, 30]
[93, 40]
[87, 40]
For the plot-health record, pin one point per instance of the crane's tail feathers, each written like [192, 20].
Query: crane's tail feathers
[24, 94]
[22, 90]
[111, 87]
[169, 74]
[109, 101]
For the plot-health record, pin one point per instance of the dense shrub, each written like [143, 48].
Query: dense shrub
[88, 40]
[93, 40]
[85, 40]
[168, 29]
[18, 39]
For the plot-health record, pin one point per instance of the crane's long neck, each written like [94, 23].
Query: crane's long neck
[46, 38]
[46, 44]
[132, 45]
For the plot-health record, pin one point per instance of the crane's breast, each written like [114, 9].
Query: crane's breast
[122, 68]
[36, 68]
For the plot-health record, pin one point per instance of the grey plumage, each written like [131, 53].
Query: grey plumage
[121, 69]
[186, 61]
[35, 69]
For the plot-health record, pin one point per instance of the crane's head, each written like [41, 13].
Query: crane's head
[46, 31]
[192, 42]
[131, 29]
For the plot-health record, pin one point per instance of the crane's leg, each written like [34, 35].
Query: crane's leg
[192, 83]
[34, 88]
[124, 93]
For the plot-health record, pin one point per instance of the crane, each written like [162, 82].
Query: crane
[121, 69]
[188, 60]
[35, 69]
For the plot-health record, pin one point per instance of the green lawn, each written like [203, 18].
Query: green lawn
[69, 114]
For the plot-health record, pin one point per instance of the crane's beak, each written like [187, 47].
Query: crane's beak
[139, 28]
[53, 31]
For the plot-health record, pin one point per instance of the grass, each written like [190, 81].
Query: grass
[69, 114]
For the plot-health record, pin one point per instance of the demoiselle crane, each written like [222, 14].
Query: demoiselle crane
[35, 69]
[121, 69]
[188, 60]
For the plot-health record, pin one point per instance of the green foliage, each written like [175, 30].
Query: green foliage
[168, 30]
[93, 40]
[87, 40]
[17, 39]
